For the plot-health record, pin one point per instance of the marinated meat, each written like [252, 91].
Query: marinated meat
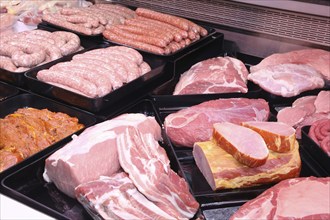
[28, 131]
[79, 161]
[316, 58]
[215, 75]
[287, 80]
[223, 171]
[244, 144]
[195, 123]
[298, 198]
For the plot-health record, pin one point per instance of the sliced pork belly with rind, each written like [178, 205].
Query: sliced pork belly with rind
[298, 198]
[244, 144]
[322, 102]
[195, 123]
[214, 75]
[278, 136]
[223, 171]
[316, 58]
[94, 152]
[287, 80]
[116, 197]
[152, 177]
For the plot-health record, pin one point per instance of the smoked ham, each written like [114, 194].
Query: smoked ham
[278, 136]
[223, 171]
[244, 144]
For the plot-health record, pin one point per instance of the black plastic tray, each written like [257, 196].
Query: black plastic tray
[29, 100]
[161, 71]
[18, 78]
[7, 91]
[315, 150]
[200, 188]
[26, 184]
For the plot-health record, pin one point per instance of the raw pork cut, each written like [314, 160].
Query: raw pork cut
[287, 80]
[298, 198]
[223, 171]
[305, 111]
[244, 144]
[152, 176]
[94, 152]
[278, 136]
[116, 197]
[316, 58]
[195, 123]
[215, 75]
[320, 133]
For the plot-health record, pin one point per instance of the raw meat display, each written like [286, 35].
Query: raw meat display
[155, 32]
[29, 130]
[298, 198]
[195, 123]
[122, 200]
[278, 136]
[320, 133]
[287, 80]
[305, 111]
[223, 171]
[214, 75]
[244, 144]
[316, 58]
[89, 20]
[97, 72]
[22, 51]
[148, 168]
[66, 168]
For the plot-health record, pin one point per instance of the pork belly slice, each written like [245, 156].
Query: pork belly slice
[116, 197]
[195, 123]
[223, 171]
[152, 177]
[244, 144]
[298, 198]
[278, 136]
[214, 75]
[94, 152]
[287, 80]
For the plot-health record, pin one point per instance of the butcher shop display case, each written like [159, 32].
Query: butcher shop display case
[249, 31]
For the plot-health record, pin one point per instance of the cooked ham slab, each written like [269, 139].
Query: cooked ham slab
[298, 198]
[287, 80]
[94, 152]
[223, 171]
[214, 75]
[195, 123]
[244, 144]
[316, 58]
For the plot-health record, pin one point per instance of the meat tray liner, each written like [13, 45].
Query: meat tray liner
[29, 100]
[198, 184]
[7, 91]
[26, 184]
[18, 78]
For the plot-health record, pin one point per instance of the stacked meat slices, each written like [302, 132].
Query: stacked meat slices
[215, 75]
[155, 32]
[97, 72]
[22, 51]
[128, 141]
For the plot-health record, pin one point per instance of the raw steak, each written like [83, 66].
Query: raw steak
[195, 123]
[139, 157]
[116, 197]
[223, 171]
[94, 152]
[278, 136]
[298, 198]
[287, 80]
[316, 58]
[244, 144]
[215, 75]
